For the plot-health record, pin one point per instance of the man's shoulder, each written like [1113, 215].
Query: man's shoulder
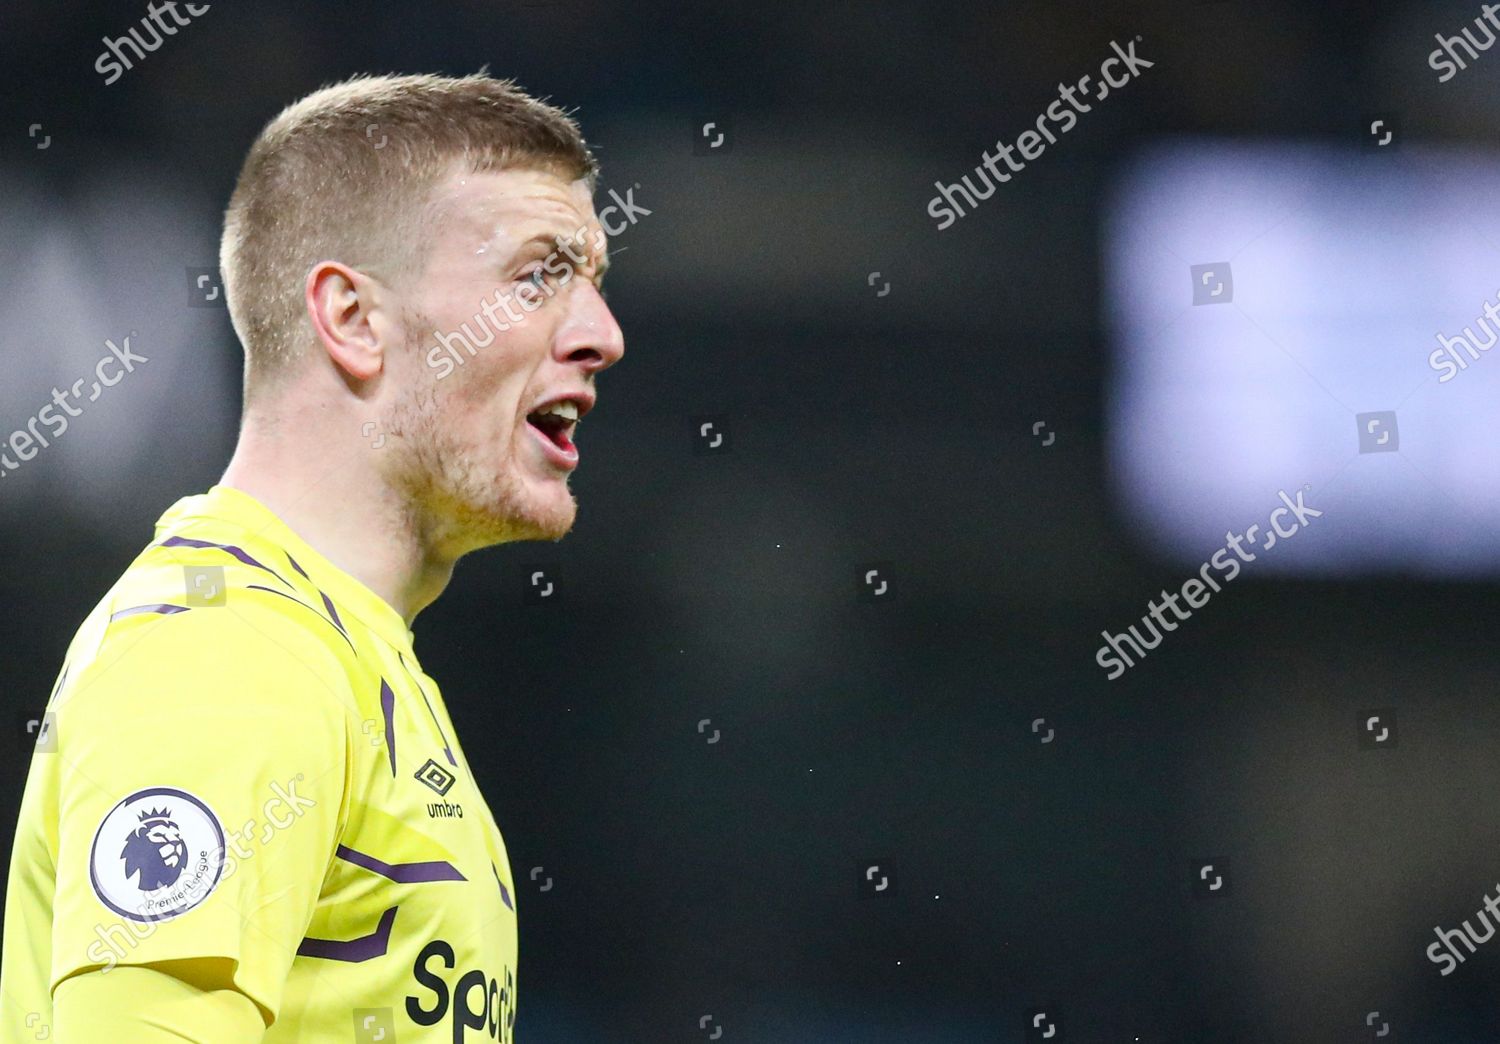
[204, 564]
[221, 606]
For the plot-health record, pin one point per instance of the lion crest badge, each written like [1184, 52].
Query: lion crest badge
[156, 855]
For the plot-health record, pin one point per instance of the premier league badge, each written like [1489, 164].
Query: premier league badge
[156, 855]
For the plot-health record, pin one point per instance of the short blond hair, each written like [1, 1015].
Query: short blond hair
[347, 173]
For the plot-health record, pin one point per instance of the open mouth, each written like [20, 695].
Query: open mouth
[556, 428]
[553, 426]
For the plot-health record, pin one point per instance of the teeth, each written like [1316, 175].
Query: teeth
[565, 409]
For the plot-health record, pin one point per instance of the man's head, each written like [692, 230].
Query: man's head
[422, 252]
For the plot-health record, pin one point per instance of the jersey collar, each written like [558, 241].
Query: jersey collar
[242, 510]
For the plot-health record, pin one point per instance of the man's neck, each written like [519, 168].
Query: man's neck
[347, 513]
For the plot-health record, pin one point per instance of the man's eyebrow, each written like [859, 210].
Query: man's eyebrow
[554, 241]
[541, 239]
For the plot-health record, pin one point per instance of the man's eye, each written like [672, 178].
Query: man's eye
[537, 278]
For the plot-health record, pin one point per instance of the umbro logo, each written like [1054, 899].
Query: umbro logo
[435, 776]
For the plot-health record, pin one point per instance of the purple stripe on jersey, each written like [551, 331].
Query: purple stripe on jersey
[235, 551]
[504, 893]
[334, 613]
[446, 749]
[388, 708]
[135, 610]
[294, 598]
[402, 873]
[327, 602]
[354, 950]
[300, 570]
[61, 680]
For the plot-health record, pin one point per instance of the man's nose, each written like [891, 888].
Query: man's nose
[590, 331]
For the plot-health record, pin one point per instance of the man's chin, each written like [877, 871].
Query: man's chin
[556, 524]
[542, 515]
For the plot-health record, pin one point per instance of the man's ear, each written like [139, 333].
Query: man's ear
[350, 314]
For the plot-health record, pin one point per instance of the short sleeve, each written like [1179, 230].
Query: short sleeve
[204, 760]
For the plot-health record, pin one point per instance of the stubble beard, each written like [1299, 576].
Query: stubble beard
[464, 497]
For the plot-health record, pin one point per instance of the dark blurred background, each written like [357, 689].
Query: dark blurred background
[1043, 830]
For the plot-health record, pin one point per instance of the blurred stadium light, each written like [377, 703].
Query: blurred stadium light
[1329, 278]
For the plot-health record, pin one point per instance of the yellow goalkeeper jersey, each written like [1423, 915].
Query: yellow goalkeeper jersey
[242, 759]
